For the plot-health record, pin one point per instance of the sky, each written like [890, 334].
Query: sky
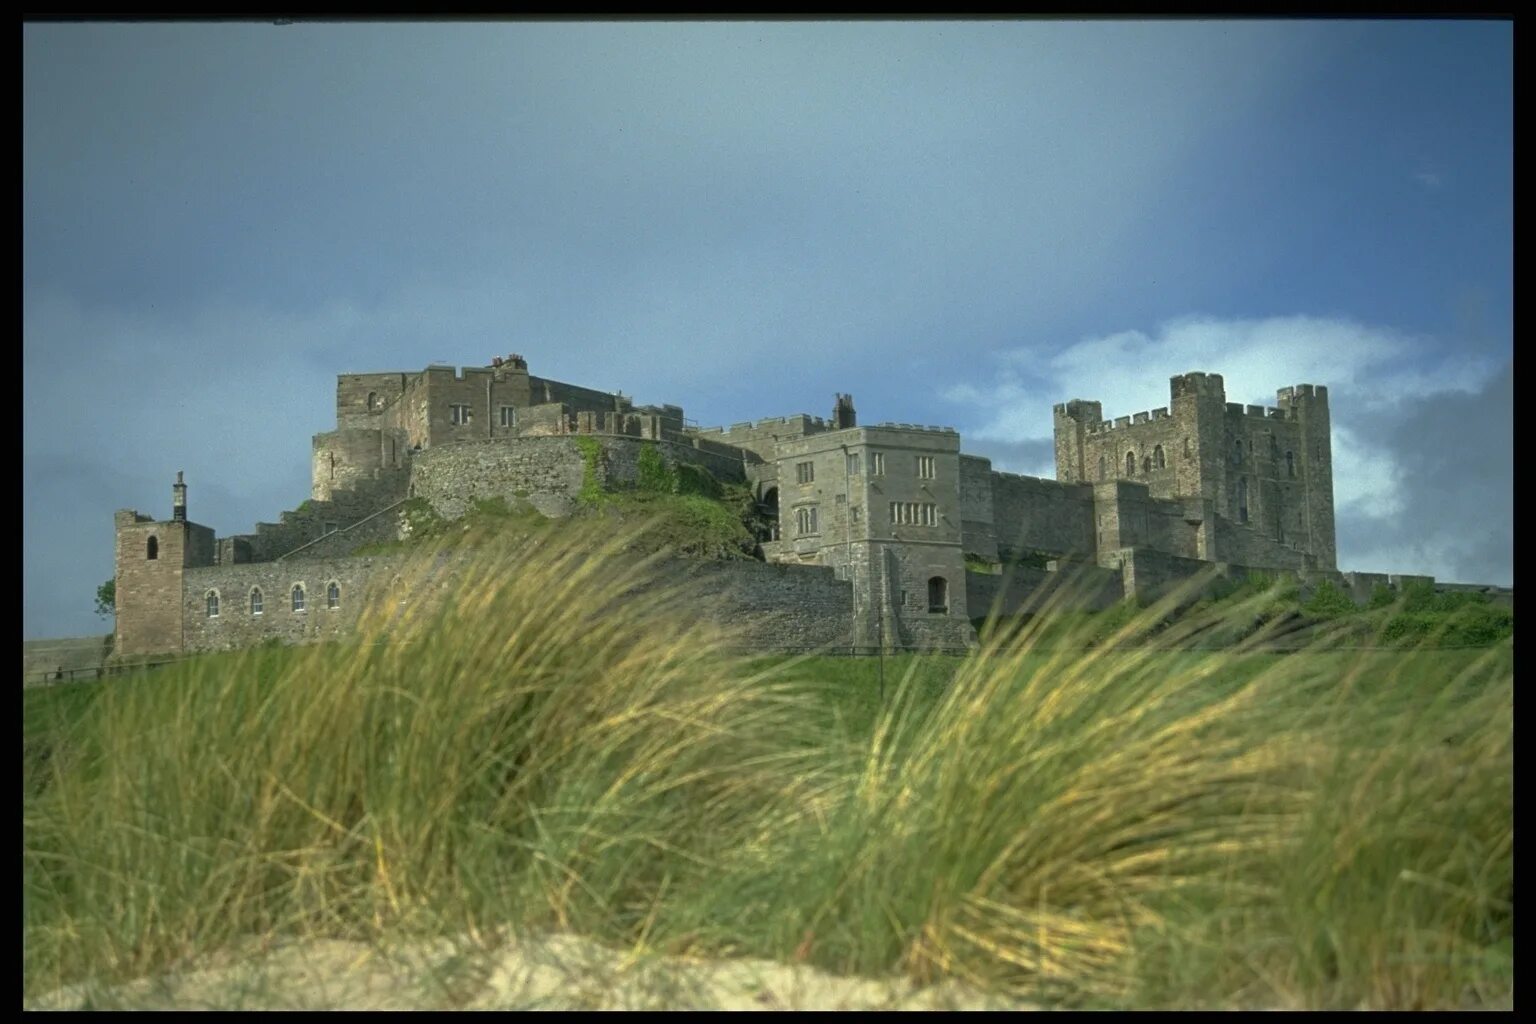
[960, 223]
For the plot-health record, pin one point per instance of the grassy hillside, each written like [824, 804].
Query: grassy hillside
[1103, 827]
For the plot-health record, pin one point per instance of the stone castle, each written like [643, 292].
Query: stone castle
[882, 534]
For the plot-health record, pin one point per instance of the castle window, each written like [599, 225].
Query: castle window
[805, 472]
[853, 465]
[213, 604]
[1158, 461]
[925, 467]
[1186, 447]
[328, 528]
[877, 464]
[1242, 499]
[152, 549]
[1274, 447]
[333, 595]
[805, 520]
[1290, 464]
[373, 401]
[298, 597]
[255, 600]
[1146, 466]
[458, 415]
[333, 465]
[1237, 452]
[1103, 467]
[938, 596]
[508, 416]
[1130, 463]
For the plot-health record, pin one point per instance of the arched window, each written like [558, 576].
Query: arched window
[255, 600]
[938, 595]
[152, 549]
[373, 400]
[1242, 499]
[333, 595]
[1290, 464]
[1158, 461]
[1130, 463]
[212, 599]
[1103, 468]
[1237, 452]
[298, 597]
[1146, 466]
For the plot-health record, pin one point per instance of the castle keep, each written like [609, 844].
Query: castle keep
[881, 534]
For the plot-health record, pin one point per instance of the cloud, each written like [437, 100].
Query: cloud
[1428, 179]
[1384, 386]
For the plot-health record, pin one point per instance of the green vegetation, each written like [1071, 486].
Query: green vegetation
[1415, 619]
[1152, 826]
[106, 599]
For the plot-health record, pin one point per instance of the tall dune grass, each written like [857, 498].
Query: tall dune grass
[546, 745]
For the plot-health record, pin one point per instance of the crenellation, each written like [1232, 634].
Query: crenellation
[869, 527]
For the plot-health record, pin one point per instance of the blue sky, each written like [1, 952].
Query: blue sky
[960, 223]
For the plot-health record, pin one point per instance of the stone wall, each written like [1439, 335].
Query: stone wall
[546, 472]
[772, 606]
[1030, 514]
[237, 626]
[1020, 588]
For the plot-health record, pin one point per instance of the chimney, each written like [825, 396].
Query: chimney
[843, 415]
[179, 500]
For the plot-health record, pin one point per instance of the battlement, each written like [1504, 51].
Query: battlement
[1262, 412]
[915, 427]
[1301, 393]
[1197, 384]
[805, 421]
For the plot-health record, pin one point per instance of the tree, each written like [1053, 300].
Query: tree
[106, 598]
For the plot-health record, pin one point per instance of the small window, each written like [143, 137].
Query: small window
[508, 416]
[877, 464]
[152, 549]
[327, 529]
[1146, 466]
[1242, 499]
[805, 472]
[1158, 460]
[298, 597]
[925, 467]
[458, 414]
[213, 604]
[853, 512]
[1274, 447]
[373, 401]
[938, 596]
[333, 595]
[805, 520]
[1103, 468]
[1237, 453]
[255, 600]
[1130, 463]
[1290, 464]
[853, 465]
[1186, 448]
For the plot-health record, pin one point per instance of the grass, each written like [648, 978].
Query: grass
[1104, 827]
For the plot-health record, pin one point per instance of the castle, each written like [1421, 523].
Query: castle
[882, 534]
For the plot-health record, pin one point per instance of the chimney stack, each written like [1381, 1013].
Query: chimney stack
[179, 500]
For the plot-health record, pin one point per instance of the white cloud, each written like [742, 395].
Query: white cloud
[1369, 371]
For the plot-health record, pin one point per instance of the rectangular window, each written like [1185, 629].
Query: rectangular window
[853, 465]
[914, 513]
[458, 414]
[508, 417]
[329, 528]
[805, 472]
[925, 467]
[877, 464]
[805, 520]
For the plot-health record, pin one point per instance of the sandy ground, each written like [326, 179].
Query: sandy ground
[560, 972]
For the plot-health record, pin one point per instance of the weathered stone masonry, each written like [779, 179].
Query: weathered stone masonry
[872, 531]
